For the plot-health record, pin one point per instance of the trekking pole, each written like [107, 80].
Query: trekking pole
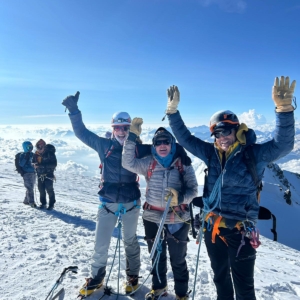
[160, 228]
[59, 280]
[194, 233]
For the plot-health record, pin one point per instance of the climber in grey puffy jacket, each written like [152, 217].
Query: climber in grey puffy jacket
[164, 177]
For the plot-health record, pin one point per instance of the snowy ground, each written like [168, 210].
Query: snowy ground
[37, 245]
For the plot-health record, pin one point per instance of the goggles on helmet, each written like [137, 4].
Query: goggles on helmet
[223, 118]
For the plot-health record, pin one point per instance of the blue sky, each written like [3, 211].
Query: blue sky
[122, 56]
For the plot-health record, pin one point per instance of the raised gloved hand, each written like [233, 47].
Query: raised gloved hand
[71, 102]
[177, 197]
[173, 99]
[282, 94]
[136, 126]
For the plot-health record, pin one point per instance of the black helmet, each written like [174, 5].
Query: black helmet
[223, 118]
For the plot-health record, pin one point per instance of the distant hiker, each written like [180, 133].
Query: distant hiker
[231, 194]
[119, 196]
[288, 196]
[45, 162]
[28, 173]
[167, 172]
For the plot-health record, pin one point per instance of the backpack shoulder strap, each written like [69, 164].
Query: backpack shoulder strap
[151, 168]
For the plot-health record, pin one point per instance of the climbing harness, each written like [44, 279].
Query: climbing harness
[121, 209]
[44, 176]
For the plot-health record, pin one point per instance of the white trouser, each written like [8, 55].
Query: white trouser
[104, 229]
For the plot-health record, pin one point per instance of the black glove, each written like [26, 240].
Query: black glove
[197, 222]
[71, 102]
[27, 155]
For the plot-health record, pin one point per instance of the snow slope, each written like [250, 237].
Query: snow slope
[37, 245]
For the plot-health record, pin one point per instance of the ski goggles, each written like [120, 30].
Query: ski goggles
[40, 146]
[224, 132]
[162, 142]
[118, 128]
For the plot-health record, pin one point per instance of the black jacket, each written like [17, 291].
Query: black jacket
[46, 161]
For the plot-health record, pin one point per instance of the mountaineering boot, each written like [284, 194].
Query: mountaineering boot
[26, 203]
[90, 286]
[42, 206]
[156, 294]
[50, 207]
[131, 284]
[33, 205]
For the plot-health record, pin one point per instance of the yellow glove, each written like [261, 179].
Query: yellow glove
[173, 99]
[282, 94]
[136, 126]
[175, 195]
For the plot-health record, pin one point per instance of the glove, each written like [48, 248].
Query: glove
[27, 155]
[197, 222]
[71, 102]
[173, 100]
[39, 159]
[177, 197]
[282, 94]
[136, 126]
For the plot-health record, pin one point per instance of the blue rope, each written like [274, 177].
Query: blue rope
[214, 198]
[159, 251]
[117, 246]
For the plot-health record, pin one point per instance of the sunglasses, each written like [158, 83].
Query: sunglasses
[40, 146]
[118, 128]
[224, 132]
[29, 148]
[162, 142]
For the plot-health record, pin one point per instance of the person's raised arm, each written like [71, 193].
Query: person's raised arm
[129, 161]
[86, 136]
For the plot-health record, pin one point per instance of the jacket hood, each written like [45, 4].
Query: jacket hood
[246, 136]
[50, 148]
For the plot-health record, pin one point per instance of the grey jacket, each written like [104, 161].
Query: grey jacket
[161, 179]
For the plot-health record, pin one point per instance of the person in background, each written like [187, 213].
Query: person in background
[45, 162]
[25, 162]
[230, 195]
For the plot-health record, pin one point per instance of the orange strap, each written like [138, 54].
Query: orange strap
[216, 230]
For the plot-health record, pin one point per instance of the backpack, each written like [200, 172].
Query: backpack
[249, 160]
[17, 164]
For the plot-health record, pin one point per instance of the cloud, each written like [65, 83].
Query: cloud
[230, 6]
[44, 116]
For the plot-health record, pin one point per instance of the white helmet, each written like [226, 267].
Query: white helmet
[120, 118]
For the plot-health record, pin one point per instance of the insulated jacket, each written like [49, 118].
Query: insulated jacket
[238, 191]
[119, 185]
[160, 179]
[25, 162]
[45, 161]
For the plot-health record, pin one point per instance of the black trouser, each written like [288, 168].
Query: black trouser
[223, 258]
[45, 184]
[177, 247]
